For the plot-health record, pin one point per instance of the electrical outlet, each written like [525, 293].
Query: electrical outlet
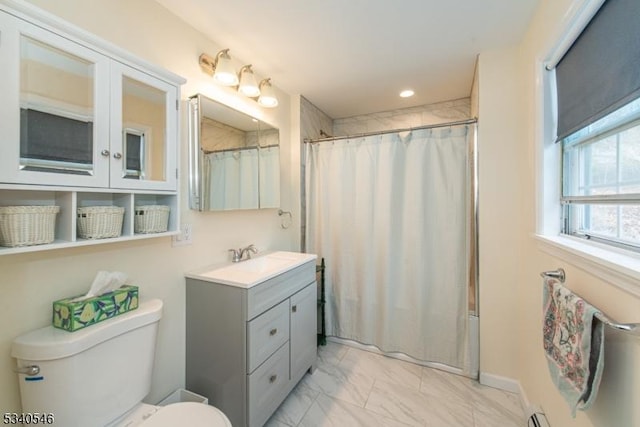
[185, 237]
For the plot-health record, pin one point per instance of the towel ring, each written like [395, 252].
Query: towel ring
[284, 223]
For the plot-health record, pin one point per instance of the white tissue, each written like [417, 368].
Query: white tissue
[105, 281]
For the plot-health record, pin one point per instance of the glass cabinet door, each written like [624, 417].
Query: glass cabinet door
[54, 120]
[143, 130]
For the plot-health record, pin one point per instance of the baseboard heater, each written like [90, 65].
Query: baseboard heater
[537, 419]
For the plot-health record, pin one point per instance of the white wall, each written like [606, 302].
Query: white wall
[30, 282]
[511, 259]
[499, 220]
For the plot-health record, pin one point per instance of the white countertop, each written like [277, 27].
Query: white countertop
[251, 272]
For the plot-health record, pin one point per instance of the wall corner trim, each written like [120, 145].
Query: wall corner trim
[512, 386]
[502, 383]
[499, 382]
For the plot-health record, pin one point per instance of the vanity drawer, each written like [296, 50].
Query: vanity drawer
[267, 386]
[276, 289]
[266, 333]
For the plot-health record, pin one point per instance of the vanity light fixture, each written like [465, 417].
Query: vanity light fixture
[267, 94]
[220, 68]
[248, 85]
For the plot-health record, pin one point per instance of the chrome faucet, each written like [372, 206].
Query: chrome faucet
[235, 255]
[238, 254]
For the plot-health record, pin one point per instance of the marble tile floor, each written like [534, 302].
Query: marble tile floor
[352, 388]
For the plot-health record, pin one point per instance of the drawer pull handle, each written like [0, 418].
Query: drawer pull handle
[294, 308]
[273, 331]
[272, 378]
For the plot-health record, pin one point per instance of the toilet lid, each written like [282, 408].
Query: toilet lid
[190, 414]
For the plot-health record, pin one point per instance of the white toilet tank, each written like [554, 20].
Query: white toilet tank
[92, 376]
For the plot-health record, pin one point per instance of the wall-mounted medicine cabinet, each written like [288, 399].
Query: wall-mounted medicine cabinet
[77, 117]
[82, 123]
[234, 159]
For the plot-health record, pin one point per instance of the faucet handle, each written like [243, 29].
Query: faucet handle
[235, 255]
[248, 250]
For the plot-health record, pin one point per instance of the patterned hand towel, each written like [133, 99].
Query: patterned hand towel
[573, 344]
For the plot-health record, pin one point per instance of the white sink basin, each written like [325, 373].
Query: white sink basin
[251, 272]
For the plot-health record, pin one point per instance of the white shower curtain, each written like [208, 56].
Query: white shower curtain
[233, 179]
[269, 177]
[390, 215]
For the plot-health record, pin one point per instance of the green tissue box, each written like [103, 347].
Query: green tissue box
[71, 316]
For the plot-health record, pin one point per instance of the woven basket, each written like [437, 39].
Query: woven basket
[100, 222]
[27, 225]
[151, 219]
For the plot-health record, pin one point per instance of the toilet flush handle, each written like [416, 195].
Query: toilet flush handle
[30, 371]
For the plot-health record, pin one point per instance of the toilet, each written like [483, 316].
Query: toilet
[98, 376]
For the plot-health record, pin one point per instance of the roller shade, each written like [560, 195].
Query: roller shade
[45, 136]
[601, 71]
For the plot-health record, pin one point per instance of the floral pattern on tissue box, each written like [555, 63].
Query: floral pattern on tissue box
[72, 315]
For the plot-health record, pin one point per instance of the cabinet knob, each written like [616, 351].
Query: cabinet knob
[117, 155]
[273, 331]
[273, 378]
[294, 308]
[105, 153]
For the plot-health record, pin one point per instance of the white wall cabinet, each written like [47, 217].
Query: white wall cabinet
[76, 117]
[82, 123]
[248, 348]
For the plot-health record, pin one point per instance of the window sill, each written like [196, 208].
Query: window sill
[619, 267]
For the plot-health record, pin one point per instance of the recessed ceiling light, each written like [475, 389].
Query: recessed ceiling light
[406, 93]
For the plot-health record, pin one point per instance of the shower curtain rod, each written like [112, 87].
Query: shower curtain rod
[383, 132]
[226, 150]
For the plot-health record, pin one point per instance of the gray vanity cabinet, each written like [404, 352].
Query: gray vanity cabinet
[303, 330]
[247, 348]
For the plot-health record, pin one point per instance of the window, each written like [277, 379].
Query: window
[134, 153]
[601, 179]
[52, 142]
[587, 159]
[598, 100]
[56, 110]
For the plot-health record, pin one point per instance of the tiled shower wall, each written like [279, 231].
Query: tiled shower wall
[441, 112]
[313, 120]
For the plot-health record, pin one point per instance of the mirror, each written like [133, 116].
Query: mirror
[56, 110]
[234, 159]
[144, 121]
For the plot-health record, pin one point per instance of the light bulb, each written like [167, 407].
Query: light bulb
[224, 72]
[248, 85]
[267, 94]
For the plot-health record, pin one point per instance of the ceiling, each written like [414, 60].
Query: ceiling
[351, 57]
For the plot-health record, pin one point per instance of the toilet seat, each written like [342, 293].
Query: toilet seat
[191, 414]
